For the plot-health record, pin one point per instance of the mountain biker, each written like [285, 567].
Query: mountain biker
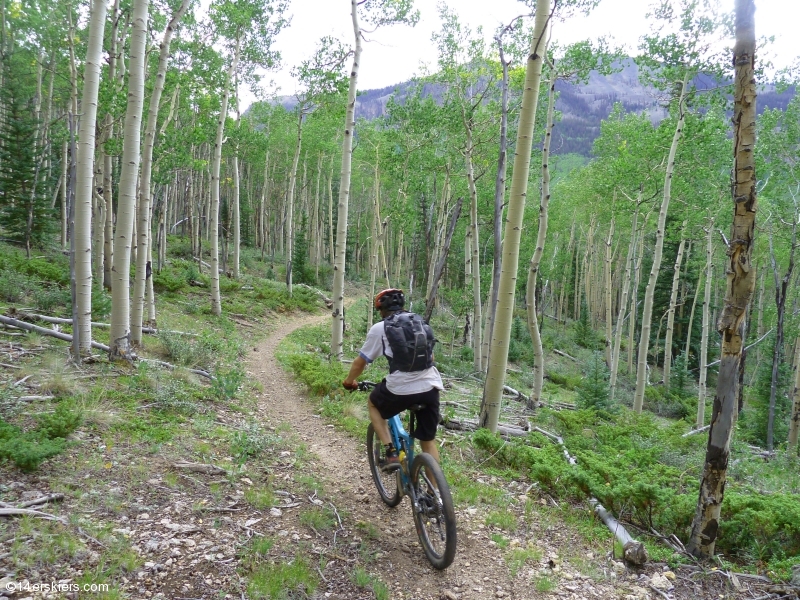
[400, 389]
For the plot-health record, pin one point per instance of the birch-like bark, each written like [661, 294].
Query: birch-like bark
[647, 310]
[781, 290]
[637, 271]
[144, 267]
[498, 353]
[701, 387]
[84, 187]
[64, 216]
[120, 338]
[623, 305]
[237, 219]
[290, 202]
[477, 306]
[337, 321]
[607, 276]
[794, 423]
[536, 259]
[691, 317]
[741, 280]
[213, 221]
[673, 300]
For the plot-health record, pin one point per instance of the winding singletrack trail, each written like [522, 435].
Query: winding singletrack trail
[560, 563]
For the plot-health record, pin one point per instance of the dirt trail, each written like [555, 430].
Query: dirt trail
[479, 570]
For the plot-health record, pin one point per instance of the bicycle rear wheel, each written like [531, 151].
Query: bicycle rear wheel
[434, 515]
[387, 484]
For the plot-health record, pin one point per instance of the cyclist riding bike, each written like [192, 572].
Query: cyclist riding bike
[407, 342]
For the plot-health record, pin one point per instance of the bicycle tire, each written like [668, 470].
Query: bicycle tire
[387, 483]
[435, 522]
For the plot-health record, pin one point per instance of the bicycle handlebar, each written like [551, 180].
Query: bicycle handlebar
[364, 386]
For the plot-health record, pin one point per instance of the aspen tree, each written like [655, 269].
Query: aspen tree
[741, 279]
[84, 187]
[120, 338]
[647, 310]
[498, 353]
[536, 259]
[635, 291]
[673, 300]
[381, 12]
[608, 307]
[794, 422]
[623, 306]
[237, 219]
[248, 29]
[144, 264]
[701, 395]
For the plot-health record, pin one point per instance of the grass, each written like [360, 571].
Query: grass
[502, 519]
[360, 577]
[279, 581]
[545, 583]
[516, 558]
[319, 518]
[260, 497]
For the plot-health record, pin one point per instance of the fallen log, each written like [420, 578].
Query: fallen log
[634, 552]
[12, 512]
[565, 355]
[472, 425]
[517, 395]
[64, 321]
[693, 431]
[328, 302]
[42, 500]
[200, 468]
[170, 366]
[44, 331]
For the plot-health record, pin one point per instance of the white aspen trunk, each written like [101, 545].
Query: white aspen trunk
[64, 216]
[501, 331]
[635, 292]
[701, 396]
[98, 221]
[623, 306]
[536, 259]
[741, 280]
[373, 258]
[673, 300]
[108, 236]
[317, 228]
[647, 310]
[487, 328]
[331, 236]
[290, 203]
[563, 300]
[120, 339]
[144, 267]
[84, 185]
[213, 221]
[337, 321]
[760, 315]
[467, 276]
[237, 219]
[794, 422]
[608, 307]
[691, 317]
[477, 308]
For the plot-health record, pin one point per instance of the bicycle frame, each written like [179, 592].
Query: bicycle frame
[404, 443]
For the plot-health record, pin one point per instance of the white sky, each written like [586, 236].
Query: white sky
[395, 53]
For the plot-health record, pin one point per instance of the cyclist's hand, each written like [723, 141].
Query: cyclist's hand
[350, 385]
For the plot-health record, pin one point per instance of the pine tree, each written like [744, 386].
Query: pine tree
[24, 211]
[756, 413]
[594, 390]
[300, 271]
[584, 334]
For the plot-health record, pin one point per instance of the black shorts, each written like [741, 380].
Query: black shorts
[427, 418]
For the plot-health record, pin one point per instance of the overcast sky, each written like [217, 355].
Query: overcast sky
[394, 54]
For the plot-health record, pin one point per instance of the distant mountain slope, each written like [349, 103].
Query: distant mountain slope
[583, 107]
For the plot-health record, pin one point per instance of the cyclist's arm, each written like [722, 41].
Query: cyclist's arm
[358, 366]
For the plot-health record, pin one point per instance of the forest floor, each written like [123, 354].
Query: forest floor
[290, 511]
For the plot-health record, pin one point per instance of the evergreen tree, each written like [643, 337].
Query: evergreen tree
[594, 389]
[584, 334]
[756, 412]
[24, 211]
[301, 273]
[680, 378]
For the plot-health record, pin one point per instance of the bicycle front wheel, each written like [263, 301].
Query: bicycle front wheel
[434, 515]
[387, 484]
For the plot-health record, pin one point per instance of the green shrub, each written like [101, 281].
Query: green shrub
[60, 423]
[320, 376]
[14, 286]
[28, 450]
[47, 299]
[594, 391]
[169, 281]
[227, 383]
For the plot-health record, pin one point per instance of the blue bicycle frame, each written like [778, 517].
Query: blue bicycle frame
[405, 445]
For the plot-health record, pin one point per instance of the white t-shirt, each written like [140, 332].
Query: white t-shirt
[399, 382]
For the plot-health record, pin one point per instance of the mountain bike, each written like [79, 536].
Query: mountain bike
[421, 479]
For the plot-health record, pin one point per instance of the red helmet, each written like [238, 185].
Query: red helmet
[391, 299]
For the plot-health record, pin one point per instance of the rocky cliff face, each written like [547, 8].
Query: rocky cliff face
[582, 106]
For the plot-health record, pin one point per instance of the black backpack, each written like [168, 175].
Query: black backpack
[411, 340]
